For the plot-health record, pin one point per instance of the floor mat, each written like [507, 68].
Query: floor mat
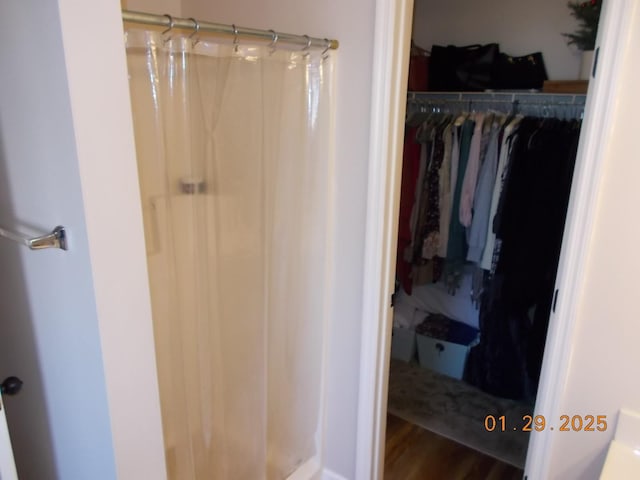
[457, 410]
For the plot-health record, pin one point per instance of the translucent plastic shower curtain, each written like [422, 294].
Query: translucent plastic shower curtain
[233, 147]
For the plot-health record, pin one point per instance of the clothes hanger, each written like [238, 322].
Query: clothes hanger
[416, 117]
[487, 122]
[508, 118]
[461, 119]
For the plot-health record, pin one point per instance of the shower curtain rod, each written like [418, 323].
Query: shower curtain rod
[202, 26]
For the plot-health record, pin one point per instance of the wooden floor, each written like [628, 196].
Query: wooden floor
[413, 453]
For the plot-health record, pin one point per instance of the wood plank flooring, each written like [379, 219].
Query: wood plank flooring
[413, 453]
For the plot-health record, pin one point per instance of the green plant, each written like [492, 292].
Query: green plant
[588, 15]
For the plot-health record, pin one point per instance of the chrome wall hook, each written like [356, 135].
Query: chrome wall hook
[56, 239]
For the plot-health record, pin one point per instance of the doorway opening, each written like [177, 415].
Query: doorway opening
[430, 382]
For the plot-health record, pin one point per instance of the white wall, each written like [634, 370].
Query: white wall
[59, 423]
[170, 7]
[520, 27]
[351, 23]
[604, 355]
[76, 324]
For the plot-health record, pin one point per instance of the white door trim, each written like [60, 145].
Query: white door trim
[392, 33]
[389, 99]
[597, 127]
[96, 68]
[7, 462]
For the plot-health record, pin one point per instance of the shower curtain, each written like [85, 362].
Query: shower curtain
[234, 149]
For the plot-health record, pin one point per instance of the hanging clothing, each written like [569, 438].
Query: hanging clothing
[535, 203]
[432, 224]
[471, 172]
[457, 242]
[410, 171]
[477, 235]
[488, 195]
[422, 272]
[446, 185]
[517, 300]
[505, 150]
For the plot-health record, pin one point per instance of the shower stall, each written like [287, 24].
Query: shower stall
[233, 140]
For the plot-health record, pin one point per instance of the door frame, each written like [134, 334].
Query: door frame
[390, 72]
[106, 156]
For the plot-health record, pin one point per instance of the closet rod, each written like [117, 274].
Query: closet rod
[510, 102]
[577, 99]
[203, 26]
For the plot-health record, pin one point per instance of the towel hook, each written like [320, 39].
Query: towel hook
[196, 29]
[57, 238]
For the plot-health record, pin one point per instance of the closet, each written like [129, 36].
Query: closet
[486, 180]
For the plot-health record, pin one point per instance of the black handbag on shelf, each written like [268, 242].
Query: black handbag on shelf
[519, 73]
[470, 68]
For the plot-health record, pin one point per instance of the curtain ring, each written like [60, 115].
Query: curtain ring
[196, 29]
[235, 37]
[327, 44]
[171, 22]
[307, 46]
[274, 41]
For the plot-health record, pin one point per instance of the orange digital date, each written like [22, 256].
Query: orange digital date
[575, 423]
